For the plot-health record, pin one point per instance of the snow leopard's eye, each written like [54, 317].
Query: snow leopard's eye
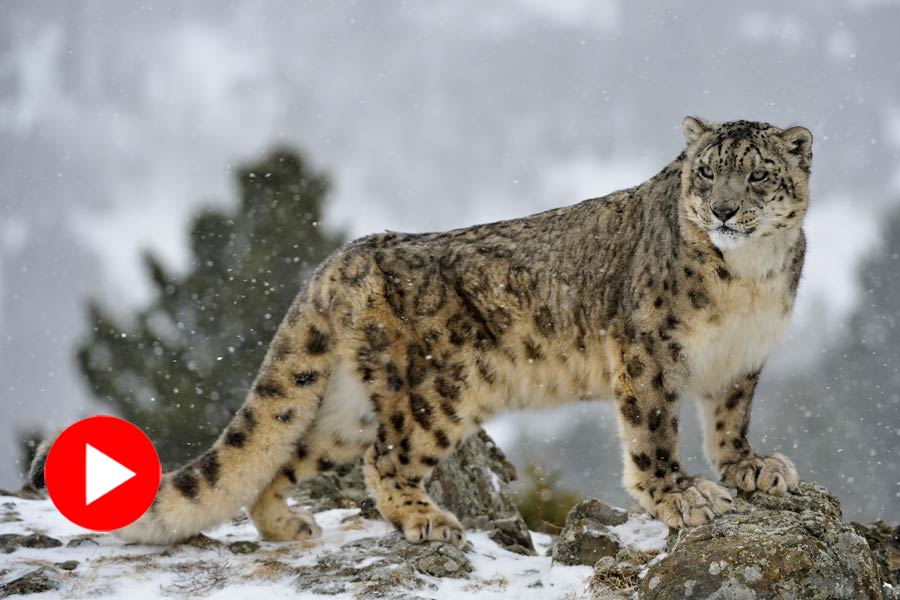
[757, 176]
[706, 172]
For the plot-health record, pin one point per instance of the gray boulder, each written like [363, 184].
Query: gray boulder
[884, 541]
[585, 539]
[795, 546]
[34, 582]
[9, 542]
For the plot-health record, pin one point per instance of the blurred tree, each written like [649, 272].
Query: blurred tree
[182, 366]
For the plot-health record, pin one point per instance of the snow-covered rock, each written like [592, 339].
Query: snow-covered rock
[358, 556]
[795, 546]
[355, 558]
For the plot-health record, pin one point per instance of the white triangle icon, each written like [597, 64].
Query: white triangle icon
[102, 474]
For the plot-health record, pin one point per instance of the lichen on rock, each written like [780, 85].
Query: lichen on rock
[884, 541]
[9, 542]
[585, 539]
[382, 567]
[796, 546]
[34, 582]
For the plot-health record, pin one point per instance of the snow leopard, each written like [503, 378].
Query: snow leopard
[402, 344]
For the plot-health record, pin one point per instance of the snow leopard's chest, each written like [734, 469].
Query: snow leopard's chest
[734, 335]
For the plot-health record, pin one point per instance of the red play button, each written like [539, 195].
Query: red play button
[102, 473]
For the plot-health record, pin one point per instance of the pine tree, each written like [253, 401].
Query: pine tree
[183, 364]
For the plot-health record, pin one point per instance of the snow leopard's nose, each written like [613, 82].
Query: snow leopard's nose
[724, 211]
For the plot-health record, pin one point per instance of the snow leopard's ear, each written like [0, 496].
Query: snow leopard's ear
[693, 128]
[798, 141]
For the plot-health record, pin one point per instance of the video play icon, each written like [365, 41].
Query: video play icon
[102, 473]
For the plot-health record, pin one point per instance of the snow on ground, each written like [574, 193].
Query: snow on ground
[643, 532]
[109, 568]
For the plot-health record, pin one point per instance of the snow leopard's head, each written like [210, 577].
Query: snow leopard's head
[744, 179]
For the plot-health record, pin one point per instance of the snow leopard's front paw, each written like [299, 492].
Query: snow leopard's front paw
[696, 501]
[432, 524]
[774, 474]
[291, 525]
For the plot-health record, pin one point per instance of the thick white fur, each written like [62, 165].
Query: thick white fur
[748, 323]
[346, 412]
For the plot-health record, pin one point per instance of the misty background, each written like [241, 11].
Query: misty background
[119, 121]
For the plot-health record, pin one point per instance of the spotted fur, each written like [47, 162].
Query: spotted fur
[402, 344]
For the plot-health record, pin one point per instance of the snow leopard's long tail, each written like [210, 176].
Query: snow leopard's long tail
[261, 438]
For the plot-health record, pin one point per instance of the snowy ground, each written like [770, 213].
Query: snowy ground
[215, 568]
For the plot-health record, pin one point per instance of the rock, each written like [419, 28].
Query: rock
[9, 542]
[811, 497]
[795, 546]
[473, 483]
[444, 560]
[586, 538]
[391, 568]
[367, 510]
[87, 539]
[243, 547]
[433, 558]
[200, 541]
[33, 582]
[204, 542]
[67, 565]
[511, 533]
[341, 488]
[584, 544]
[598, 512]
[630, 554]
[9, 514]
[884, 541]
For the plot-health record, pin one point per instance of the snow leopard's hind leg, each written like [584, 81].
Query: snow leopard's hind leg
[345, 426]
[420, 406]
